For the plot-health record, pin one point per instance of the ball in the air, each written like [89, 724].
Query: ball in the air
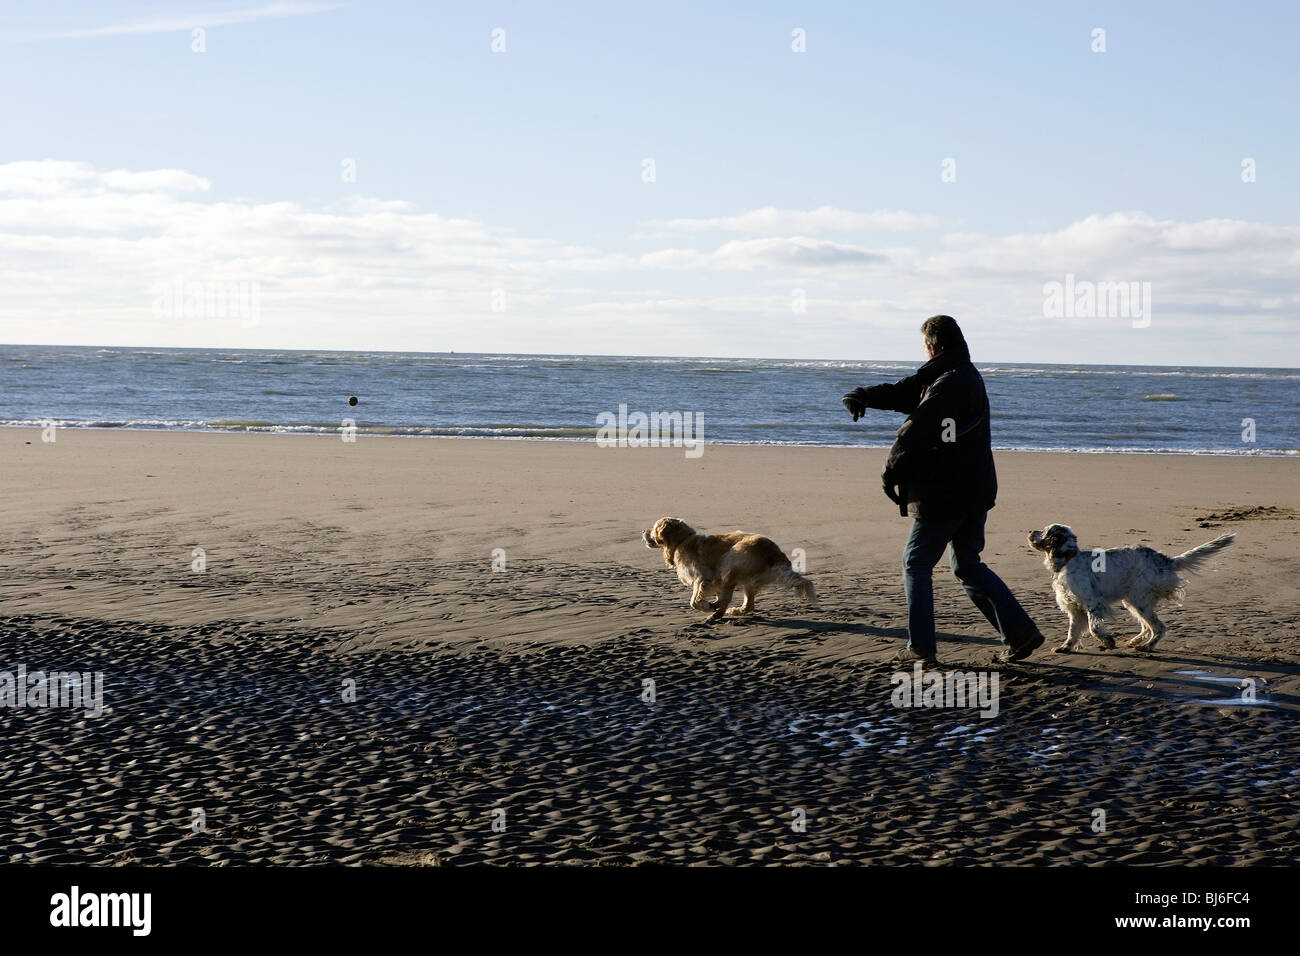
[352, 400]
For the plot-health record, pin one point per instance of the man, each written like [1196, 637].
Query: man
[940, 470]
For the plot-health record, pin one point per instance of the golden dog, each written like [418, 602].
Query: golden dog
[715, 565]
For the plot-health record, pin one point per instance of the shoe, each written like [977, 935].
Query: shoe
[1019, 652]
[909, 656]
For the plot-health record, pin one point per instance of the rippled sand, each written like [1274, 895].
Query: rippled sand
[253, 729]
[368, 568]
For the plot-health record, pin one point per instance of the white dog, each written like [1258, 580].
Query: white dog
[1089, 583]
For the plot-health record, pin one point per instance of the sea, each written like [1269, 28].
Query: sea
[1082, 408]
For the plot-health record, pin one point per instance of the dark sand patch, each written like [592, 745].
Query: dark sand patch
[1245, 513]
[250, 726]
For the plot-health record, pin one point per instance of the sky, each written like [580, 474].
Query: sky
[802, 180]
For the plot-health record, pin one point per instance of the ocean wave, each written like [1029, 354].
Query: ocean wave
[583, 434]
[1141, 371]
[792, 402]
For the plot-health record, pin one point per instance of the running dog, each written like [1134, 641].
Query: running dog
[1089, 583]
[713, 566]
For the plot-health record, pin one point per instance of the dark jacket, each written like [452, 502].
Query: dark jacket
[942, 457]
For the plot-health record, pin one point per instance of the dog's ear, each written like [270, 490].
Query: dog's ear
[659, 531]
[1058, 537]
[670, 531]
[1052, 539]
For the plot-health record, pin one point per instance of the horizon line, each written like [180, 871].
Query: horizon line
[616, 355]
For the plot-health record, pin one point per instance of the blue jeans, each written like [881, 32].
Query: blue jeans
[985, 589]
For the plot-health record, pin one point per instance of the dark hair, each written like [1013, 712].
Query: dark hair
[942, 333]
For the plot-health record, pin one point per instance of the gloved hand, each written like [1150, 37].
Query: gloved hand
[888, 482]
[854, 403]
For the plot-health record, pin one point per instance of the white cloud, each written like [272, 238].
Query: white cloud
[1135, 247]
[81, 250]
[796, 252]
[205, 19]
[740, 305]
[770, 220]
[53, 178]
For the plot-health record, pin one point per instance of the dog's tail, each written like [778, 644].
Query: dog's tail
[790, 578]
[1193, 559]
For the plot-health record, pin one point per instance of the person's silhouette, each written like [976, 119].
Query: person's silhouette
[940, 471]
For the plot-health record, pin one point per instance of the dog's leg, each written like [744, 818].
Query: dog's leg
[1078, 620]
[725, 591]
[746, 605]
[1155, 625]
[1097, 612]
[698, 595]
[1104, 639]
[1137, 638]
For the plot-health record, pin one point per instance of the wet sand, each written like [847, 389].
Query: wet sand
[332, 567]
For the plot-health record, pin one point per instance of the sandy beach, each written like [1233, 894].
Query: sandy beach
[370, 565]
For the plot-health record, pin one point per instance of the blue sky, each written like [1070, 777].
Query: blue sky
[797, 207]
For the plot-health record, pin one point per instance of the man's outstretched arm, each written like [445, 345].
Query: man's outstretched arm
[903, 396]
